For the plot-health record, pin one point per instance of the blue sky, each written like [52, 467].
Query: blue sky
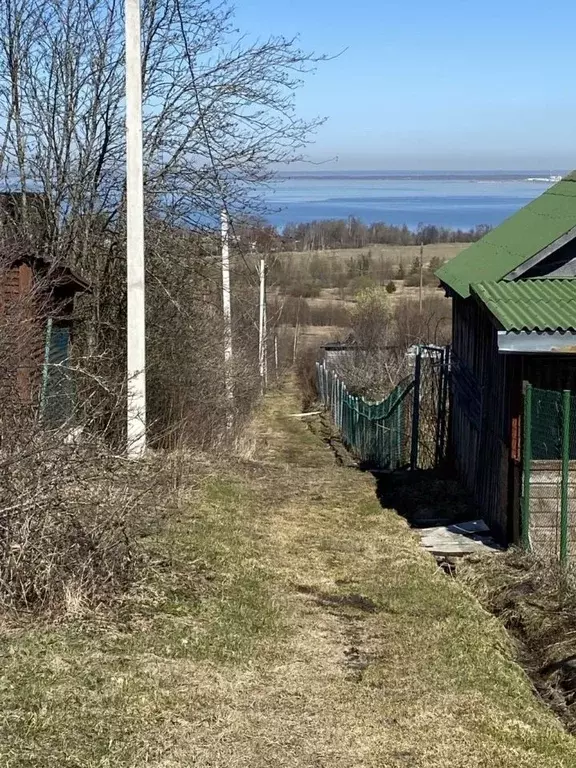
[450, 84]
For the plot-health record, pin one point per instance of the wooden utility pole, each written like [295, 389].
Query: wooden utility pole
[262, 325]
[136, 308]
[227, 312]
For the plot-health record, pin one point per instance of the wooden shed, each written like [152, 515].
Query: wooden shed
[36, 324]
[514, 321]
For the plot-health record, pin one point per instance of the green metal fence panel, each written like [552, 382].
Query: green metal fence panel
[405, 429]
[379, 433]
[549, 472]
[565, 476]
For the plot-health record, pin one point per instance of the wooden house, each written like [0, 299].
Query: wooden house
[36, 323]
[514, 320]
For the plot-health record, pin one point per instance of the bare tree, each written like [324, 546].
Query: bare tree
[218, 113]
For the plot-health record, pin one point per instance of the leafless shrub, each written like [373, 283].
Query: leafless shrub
[67, 528]
[373, 373]
[432, 325]
[413, 279]
[383, 336]
[305, 289]
[291, 311]
[306, 372]
[70, 513]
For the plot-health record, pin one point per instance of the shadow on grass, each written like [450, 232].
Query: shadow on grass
[425, 497]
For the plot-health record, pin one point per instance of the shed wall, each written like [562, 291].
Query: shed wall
[480, 431]
[22, 337]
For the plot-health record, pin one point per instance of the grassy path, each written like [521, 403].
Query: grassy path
[289, 622]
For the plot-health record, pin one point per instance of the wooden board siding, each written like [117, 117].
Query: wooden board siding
[22, 337]
[481, 428]
[545, 495]
[556, 372]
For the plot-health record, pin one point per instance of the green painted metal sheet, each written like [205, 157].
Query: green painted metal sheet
[531, 305]
[516, 240]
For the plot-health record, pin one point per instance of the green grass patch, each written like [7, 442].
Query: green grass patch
[286, 620]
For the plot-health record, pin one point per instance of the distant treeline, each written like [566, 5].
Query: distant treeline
[353, 233]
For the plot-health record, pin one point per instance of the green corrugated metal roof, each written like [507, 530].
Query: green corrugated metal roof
[516, 240]
[531, 305]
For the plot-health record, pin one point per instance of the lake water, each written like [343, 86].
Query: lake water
[452, 199]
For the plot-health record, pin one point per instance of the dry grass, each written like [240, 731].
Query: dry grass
[536, 600]
[394, 253]
[288, 621]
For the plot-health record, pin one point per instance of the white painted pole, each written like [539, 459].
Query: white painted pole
[136, 330]
[276, 354]
[421, 274]
[261, 323]
[265, 334]
[296, 329]
[227, 312]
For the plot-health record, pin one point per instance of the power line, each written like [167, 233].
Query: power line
[206, 133]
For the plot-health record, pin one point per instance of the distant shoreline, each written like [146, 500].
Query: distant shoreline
[455, 199]
[535, 176]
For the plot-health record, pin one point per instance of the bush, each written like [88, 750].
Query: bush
[304, 289]
[391, 287]
[433, 325]
[373, 374]
[413, 280]
[361, 283]
[370, 318]
[70, 521]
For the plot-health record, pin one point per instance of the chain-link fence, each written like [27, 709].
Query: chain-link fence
[431, 375]
[378, 434]
[549, 473]
[407, 428]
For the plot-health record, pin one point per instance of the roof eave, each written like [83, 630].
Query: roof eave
[559, 342]
[451, 288]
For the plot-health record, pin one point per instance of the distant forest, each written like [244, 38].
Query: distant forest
[353, 233]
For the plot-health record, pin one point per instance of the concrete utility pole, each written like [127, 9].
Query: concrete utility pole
[421, 277]
[276, 355]
[296, 330]
[265, 334]
[136, 319]
[227, 312]
[262, 325]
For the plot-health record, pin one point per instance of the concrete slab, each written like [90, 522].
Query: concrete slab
[458, 539]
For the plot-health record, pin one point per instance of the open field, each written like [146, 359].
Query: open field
[330, 295]
[287, 621]
[391, 253]
[320, 289]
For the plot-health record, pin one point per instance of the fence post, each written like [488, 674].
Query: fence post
[565, 476]
[399, 430]
[526, 465]
[416, 411]
[442, 404]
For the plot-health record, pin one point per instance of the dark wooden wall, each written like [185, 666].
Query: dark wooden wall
[27, 299]
[484, 398]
